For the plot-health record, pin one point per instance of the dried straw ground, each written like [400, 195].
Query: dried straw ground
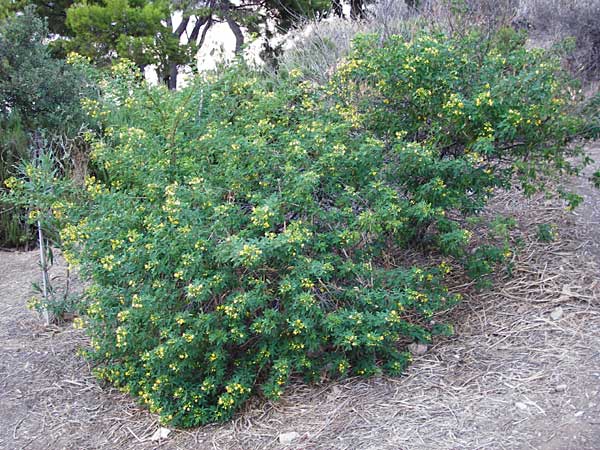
[512, 377]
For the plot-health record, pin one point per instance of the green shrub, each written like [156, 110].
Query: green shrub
[546, 232]
[40, 109]
[248, 229]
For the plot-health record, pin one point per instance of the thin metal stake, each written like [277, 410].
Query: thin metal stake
[44, 267]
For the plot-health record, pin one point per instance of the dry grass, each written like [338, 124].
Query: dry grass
[512, 376]
[316, 47]
[555, 20]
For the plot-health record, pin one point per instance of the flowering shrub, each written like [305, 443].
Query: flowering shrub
[248, 229]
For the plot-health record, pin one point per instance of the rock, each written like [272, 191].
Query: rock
[521, 406]
[579, 413]
[161, 433]
[417, 349]
[557, 313]
[287, 438]
[560, 387]
[334, 394]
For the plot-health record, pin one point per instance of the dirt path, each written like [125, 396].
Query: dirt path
[523, 370]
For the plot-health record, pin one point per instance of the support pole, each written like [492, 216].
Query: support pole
[44, 267]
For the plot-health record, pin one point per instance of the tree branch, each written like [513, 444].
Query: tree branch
[182, 26]
[237, 32]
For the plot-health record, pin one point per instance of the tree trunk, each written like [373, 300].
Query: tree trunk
[237, 32]
[357, 9]
[172, 77]
[338, 9]
[196, 30]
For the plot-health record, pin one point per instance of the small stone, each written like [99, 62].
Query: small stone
[557, 313]
[560, 387]
[288, 438]
[161, 433]
[333, 394]
[417, 349]
[578, 413]
[521, 406]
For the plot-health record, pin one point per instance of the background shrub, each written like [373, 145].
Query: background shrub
[40, 111]
[316, 47]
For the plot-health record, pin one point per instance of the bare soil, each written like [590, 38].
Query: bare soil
[514, 376]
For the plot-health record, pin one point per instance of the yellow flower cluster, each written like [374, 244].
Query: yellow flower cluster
[121, 334]
[297, 327]
[229, 311]
[136, 302]
[172, 204]
[416, 296]
[78, 323]
[76, 58]
[11, 182]
[108, 262]
[261, 216]
[194, 290]
[373, 339]
[94, 187]
[515, 116]
[445, 267]
[484, 98]
[91, 107]
[250, 254]
[454, 105]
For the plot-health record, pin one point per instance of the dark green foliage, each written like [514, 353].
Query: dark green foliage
[39, 108]
[43, 91]
[546, 232]
[14, 231]
[116, 29]
[595, 179]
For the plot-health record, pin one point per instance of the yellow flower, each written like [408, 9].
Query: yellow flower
[250, 254]
[11, 182]
[136, 301]
[107, 262]
[34, 215]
